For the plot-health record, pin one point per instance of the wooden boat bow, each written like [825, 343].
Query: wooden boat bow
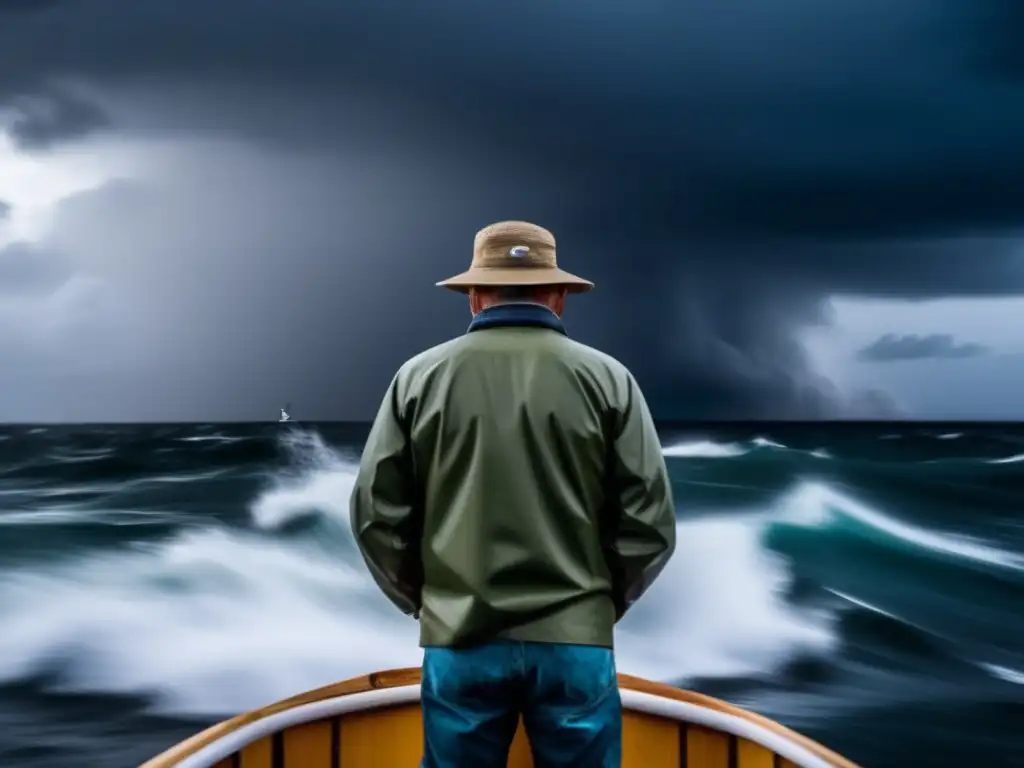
[374, 722]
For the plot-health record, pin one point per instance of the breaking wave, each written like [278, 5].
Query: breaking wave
[221, 614]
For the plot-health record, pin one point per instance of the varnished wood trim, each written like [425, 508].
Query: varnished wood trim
[336, 743]
[394, 678]
[277, 751]
[734, 752]
[684, 745]
[629, 682]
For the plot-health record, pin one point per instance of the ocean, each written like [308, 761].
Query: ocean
[863, 584]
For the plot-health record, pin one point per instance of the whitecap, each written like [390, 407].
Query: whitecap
[1008, 460]
[815, 504]
[218, 620]
[704, 449]
[1004, 673]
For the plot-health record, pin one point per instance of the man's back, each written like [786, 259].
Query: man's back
[511, 431]
[522, 444]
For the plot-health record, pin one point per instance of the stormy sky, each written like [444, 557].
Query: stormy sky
[210, 209]
[935, 346]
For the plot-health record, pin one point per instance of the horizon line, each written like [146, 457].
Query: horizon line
[914, 422]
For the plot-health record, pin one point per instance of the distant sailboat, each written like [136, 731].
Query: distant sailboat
[284, 414]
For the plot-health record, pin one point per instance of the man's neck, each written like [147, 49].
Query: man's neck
[510, 314]
[523, 303]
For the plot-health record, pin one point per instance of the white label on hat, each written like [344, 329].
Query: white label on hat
[519, 251]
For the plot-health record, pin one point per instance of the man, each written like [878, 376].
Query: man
[512, 495]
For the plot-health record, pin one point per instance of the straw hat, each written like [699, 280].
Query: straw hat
[514, 253]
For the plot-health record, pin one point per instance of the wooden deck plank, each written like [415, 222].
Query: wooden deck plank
[649, 741]
[308, 746]
[382, 739]
[629, 682]
[257, 754]
[706, 748]
[751, 755]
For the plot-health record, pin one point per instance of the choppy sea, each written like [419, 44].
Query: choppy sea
[863, 584]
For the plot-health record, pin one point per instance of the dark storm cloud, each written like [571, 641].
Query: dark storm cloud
[50, 115]
[15, 6]
[994, 34]
[942, 346]
[723, 169]
[775, 117]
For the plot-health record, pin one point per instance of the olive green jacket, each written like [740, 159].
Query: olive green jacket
[513, 486]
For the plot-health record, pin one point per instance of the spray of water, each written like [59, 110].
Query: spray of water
[217, 620]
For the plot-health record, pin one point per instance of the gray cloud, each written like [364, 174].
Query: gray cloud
[874, 404]
[26, 270]
[718, 171]
[724, 104]
[893, 348]
[52, 115]
[5, 210]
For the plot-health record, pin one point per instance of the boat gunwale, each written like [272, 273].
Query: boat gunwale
[729, 719]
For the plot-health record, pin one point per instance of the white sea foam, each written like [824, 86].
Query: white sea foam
[814, 504]
[709, 449]
[719, 610]
[217, 620]
[318, 482]
[1005, 673]
[1008, 460]
[704, 449]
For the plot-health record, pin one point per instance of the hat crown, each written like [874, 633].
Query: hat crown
[514, 253]
[514, 244]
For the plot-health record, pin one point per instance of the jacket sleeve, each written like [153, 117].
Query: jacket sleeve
[386, 517]
[644, 524]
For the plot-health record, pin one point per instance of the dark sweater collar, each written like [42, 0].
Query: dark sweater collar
[506, 315]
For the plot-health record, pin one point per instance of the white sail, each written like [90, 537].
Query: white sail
[284, 416]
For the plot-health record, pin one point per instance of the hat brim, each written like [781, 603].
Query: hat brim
[495, 277]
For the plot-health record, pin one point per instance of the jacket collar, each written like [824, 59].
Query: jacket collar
[505, 315]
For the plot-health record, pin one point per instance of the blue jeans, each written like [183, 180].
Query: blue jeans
[567, 695]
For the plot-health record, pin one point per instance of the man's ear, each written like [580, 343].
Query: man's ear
[559, 301]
